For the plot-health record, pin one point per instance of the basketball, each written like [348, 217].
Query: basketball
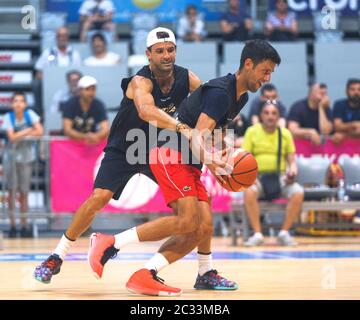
[244, 173]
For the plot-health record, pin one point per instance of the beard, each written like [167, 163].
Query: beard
[354, 100]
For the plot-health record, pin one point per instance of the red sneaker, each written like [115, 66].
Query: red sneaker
[147, 282]
[100, 251]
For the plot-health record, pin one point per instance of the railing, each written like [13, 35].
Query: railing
[37, 158]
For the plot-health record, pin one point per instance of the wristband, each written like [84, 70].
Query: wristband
[180, 126]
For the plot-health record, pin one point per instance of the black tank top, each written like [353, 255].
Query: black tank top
[127, 117]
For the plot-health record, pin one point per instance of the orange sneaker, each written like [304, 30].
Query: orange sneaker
[147, 282]
[100, 251]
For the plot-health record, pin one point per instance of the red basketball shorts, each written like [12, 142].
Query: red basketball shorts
[176, 180]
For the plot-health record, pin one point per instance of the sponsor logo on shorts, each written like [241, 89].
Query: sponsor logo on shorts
[187, 188]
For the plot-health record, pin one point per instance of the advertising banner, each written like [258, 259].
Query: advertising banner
[73, 169]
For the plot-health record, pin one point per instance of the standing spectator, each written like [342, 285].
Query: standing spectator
[61, 96]
[84, 117]
[347, 113]
[19, 158]
[95, 16]
[62, 55]
[191, 27]
[311, 118]
[101, 56]
[268, 92]
[236, 24]
[281, 25]
[262, 140]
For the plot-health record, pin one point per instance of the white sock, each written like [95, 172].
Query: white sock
[63, 246]
[283, 233]
[205, 263]
[157, 262]
[126, 237]
[258, 235]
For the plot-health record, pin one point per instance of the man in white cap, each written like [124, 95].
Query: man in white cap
[152, 95]
[84, 117]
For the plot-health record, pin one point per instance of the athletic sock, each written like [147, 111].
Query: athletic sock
[63, 246]
[157, 262]
[126, 237]
[205, 262]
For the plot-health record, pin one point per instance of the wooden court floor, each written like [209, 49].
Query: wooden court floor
[319, 268]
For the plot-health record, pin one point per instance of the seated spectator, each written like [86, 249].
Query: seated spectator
[236, 24]
[95, 16]
[61, 96]
[347, 113]
[262, 140]
[101, 57]
[239, 125]
[62, 55]
[19, 157]
[281, 25]
[311, 118]
[84, 117]
[268, 92]
[191, 27]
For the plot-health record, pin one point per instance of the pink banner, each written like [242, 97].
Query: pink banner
[350, 147]
[73, 168]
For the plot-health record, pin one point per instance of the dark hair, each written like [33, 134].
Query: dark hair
[267, 87]
[282, 1]
[71, 72]
[190, 7]
[352, 81]
[258, 51]
[18, 93]
[98, 36]
[322, 85]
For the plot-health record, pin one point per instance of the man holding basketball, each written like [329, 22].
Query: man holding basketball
[213, 105]
[161, 83]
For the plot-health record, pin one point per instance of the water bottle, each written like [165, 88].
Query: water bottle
[341, 190]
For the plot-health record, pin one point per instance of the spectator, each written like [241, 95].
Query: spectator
[262, 141]
[19, 158]
[84, 117]
[62, 55]
[191, 27]
[282, 24]
[268, 92]
[311, 118]
[101, 57]
[61, 96]
[347, 113]
[236, 24]
[95, 16]
[239, 125]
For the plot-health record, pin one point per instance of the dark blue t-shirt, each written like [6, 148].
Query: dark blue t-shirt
[85, 121]
[216, 98]
[306, 117]
[345, 112]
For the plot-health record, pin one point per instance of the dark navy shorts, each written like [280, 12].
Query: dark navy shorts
[115, 172]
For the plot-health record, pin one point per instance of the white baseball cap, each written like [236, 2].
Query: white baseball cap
[159, 35]
[87, 81]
